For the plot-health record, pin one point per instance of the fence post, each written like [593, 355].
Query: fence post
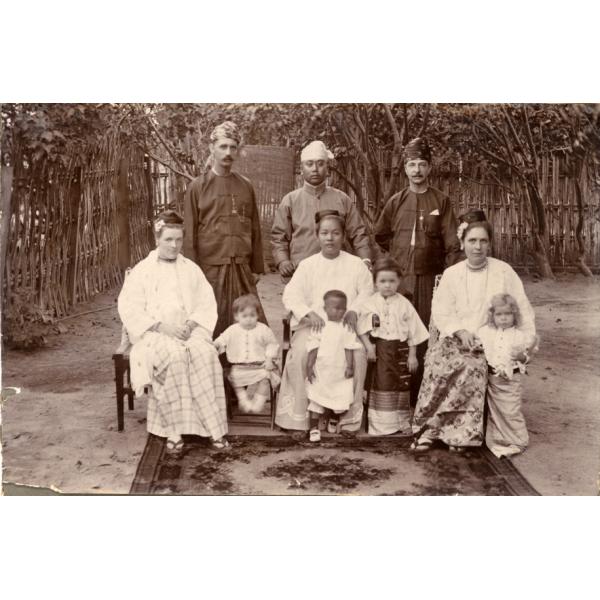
[150, 203]
[123, 212]
[74, 202]
[6, 177]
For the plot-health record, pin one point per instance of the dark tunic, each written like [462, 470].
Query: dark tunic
[222, 235]
[436, 247]
[222, 222]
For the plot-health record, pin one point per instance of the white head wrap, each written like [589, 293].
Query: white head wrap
[316, 151]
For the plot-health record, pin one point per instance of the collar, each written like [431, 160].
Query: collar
[314, 190]
[157, 258]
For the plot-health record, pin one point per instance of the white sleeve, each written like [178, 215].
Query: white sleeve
[313, 341]
[443, 308]
[294, 297]
[351, 342]
[204, 311]
[270, 342]
[417, 332]
[132, 305]
[223, 340]
[364, 286]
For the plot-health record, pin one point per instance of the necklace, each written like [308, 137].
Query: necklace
[479, 268]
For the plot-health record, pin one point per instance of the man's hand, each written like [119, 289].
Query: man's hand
[286, 268]
[467, 339]
[269, 364]
[350, 320]
[315, 322]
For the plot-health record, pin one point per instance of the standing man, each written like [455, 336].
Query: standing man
[293, 235]
[222, 226]
[418, 228]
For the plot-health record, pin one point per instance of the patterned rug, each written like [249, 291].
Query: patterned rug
[278, 465]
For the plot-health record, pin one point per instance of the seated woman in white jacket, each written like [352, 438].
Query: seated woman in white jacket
[452, 395]
[169, 310]
[331, 269]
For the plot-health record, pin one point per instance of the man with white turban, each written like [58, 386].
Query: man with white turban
[293, 236]
[222, 226]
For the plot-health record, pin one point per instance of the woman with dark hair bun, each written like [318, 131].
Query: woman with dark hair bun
[452, 395]
[331, 269]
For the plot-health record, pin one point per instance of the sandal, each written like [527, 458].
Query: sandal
[314, 435]
[421, 445]
[332, 425]
[174, 448]
[221, 444]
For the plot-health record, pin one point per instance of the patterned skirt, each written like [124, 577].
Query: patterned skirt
[389, 396]
[452, 395]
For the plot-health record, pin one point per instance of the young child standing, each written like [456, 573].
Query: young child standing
[251, 349]
[392, 343]
[507, 350]
[330, 366]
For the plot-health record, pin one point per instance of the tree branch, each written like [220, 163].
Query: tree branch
[166, 164]
[163, 141]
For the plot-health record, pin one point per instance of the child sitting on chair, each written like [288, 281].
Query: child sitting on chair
[392, 344]
[507, 350]
[330, 366]
[251, 348]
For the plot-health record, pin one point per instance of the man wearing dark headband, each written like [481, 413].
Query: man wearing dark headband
[293, 234]
[418, 228]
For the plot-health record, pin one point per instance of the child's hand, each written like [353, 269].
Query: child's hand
[371, 352]
[349, 372]
[412, 363]
[269, 364]
[310, 374]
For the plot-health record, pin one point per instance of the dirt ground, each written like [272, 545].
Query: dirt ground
[60, 432]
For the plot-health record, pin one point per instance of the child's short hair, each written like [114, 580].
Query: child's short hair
[504, 300]
[386, 264]
[335, 294]
[246, 301]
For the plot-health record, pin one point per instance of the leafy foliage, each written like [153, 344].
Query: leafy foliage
[26, 325]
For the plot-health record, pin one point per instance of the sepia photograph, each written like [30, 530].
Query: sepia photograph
[304, 299]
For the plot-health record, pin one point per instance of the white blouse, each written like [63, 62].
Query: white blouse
[316, 275]
[247, 345]
[462, 299]
[499, 344]
[398, 319]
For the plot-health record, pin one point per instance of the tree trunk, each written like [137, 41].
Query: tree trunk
[579, 229]
[541, 237]
[6, 179]
[124, 246]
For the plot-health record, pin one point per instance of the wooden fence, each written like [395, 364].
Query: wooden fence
[72, 230]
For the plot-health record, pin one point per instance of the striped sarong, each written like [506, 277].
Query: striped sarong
[389, 397]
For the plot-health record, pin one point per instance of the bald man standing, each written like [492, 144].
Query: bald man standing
[293, 236]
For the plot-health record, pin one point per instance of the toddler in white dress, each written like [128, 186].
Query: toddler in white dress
[252, 349]
[330, 365]
[507, 350]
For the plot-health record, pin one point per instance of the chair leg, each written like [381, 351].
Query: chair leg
[120, 404]
[130, 400]
[273, 407]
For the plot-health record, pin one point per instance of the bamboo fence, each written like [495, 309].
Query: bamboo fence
[508, 211]
[74, 229]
